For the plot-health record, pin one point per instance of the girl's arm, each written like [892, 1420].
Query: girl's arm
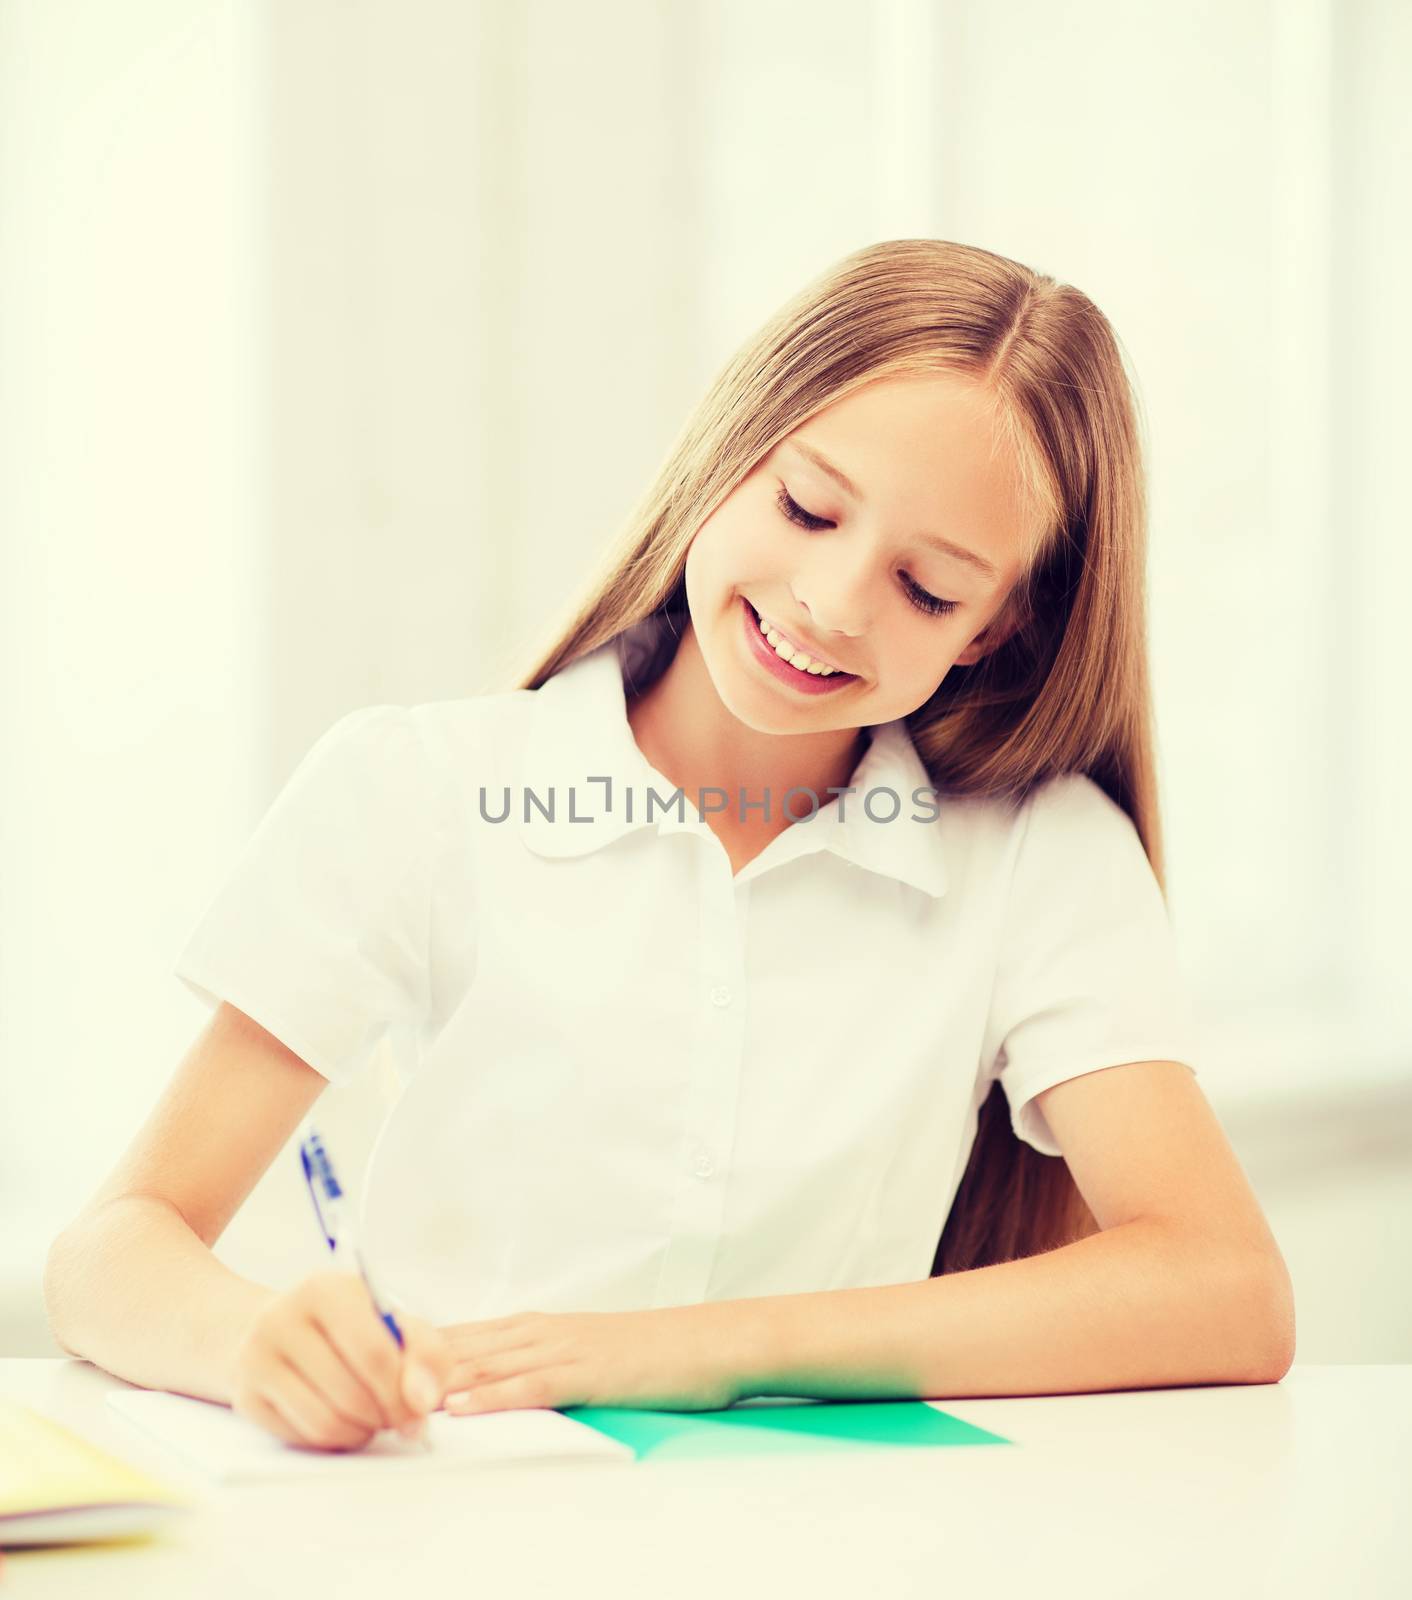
[131, 1284]
[131, 1288]
[1185, 1283]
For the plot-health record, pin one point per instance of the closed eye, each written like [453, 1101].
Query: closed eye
[919, 597]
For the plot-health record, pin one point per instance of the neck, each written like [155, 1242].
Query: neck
[691, 737]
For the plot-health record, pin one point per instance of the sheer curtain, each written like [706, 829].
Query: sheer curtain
[338, 339]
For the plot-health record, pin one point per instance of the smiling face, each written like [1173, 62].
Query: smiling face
[859, 577]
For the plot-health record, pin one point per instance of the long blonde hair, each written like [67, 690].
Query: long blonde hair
[1067, 690]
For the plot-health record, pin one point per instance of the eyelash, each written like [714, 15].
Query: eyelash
[915, 593]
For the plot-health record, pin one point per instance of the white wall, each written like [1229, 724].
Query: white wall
[339, 338]
[134, 510]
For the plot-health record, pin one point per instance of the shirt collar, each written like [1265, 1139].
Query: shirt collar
[582, 753]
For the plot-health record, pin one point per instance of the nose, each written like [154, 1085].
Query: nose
[837, 606]
[827, 628]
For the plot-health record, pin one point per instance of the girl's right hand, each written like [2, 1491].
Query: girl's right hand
[319, 1368]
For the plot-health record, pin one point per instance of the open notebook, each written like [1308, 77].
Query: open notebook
[56, 1486]
[231, 1449]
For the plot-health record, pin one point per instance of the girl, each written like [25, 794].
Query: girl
[780, 974]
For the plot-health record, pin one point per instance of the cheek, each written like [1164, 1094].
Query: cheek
[698, 569]
[917, 660]
[710, 576]
[720, 555]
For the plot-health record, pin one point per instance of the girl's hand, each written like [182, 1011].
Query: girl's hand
[671, 1359]
[319, 1367]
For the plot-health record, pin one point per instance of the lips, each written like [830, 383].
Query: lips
[809, 684]
[801, 644]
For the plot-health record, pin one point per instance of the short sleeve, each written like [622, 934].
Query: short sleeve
[1087, 974]
[319, 932]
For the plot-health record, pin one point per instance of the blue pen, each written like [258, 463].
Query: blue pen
[327, 1194]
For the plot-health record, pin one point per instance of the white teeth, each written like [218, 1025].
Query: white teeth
[796, 658]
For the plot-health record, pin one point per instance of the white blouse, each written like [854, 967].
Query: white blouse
[632, 1079]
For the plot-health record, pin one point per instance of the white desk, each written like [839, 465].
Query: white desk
[1297, 1488]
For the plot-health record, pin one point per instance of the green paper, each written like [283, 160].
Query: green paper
[781, 1427]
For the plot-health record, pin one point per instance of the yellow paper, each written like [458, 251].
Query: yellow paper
[46, 1468]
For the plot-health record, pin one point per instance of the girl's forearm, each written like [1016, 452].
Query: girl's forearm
[1137, 1306]
[131, 1288]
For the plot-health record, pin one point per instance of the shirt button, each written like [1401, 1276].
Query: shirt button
[720, 995]
[703, 1166]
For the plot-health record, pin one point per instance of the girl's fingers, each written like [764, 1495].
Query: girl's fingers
[370, 1353]
[490, 1361]
[489, 1369]
[427, 1365]
[495, 1333]
[262, 1409]
[324, 1370]
[313, 1419]
[525, 1389]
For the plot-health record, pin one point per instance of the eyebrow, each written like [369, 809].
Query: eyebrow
[958, 551]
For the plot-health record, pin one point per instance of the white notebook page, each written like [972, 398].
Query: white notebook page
[232, 1449]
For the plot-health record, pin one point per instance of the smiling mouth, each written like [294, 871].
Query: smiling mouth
[834, 674]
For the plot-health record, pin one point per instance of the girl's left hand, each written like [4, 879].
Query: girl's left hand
[672, 1359]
